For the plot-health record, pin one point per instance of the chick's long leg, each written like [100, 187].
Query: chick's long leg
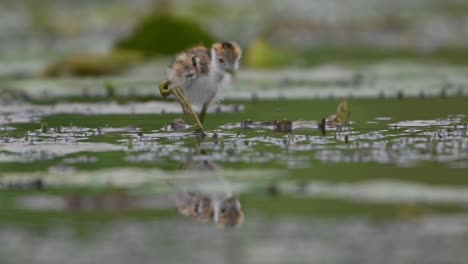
[203, 112]
[182, 103]
[186, 107]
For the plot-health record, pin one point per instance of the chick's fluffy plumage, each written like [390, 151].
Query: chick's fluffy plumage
[203, 72]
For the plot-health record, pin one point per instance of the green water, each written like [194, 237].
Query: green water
[377, 149]
[401, 164]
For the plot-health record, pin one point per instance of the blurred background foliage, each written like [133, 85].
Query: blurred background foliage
[274, 33]
[164, 35]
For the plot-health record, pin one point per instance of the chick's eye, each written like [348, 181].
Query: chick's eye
[221, 60]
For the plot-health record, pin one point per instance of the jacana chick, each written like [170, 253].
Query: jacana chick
[202, 73]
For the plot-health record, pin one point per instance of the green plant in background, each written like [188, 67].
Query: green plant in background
[262, 54]
[92, 65]
[368, 54]
[165, 35]
[110, 89]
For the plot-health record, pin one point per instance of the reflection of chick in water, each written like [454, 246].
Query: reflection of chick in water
[224, 211]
